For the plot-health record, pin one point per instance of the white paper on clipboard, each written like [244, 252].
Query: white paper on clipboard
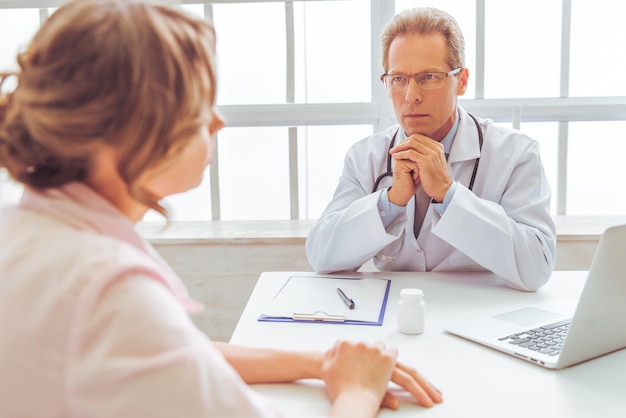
[315, 298]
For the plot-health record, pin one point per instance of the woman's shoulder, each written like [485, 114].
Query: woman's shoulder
[42, 246]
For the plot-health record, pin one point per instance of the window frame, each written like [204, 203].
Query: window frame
[378, 112]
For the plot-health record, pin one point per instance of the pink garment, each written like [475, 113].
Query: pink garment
[93, 322]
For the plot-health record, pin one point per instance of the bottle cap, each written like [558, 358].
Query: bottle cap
[411, 295]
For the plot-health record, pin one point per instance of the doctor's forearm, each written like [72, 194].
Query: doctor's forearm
[520, 251]
[346, 238]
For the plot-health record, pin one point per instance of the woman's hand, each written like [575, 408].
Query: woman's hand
[357, 376]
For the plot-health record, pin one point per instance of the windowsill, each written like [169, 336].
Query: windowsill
[583, 228]
[569, 228]
[227, 232]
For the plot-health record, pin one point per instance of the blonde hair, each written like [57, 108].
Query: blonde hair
[426, 21]
[135, 76]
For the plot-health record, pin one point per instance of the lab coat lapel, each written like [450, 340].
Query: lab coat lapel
[465, 149]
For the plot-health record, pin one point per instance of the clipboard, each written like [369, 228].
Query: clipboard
[315, 299]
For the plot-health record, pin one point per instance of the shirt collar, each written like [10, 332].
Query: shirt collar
[81, 207]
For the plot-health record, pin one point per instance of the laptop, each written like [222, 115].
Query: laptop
[561, 333]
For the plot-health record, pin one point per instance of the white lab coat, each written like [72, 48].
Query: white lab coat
[503, 225]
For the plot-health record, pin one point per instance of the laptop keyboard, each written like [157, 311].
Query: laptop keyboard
[547, 339]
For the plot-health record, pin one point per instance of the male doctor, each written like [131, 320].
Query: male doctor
[480, 188]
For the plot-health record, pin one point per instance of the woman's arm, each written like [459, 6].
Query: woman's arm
[265, 365]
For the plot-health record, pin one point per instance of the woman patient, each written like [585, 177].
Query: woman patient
[114, 109]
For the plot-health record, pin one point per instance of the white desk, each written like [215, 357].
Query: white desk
[476, 381]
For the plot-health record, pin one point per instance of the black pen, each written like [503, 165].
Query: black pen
[349, 302]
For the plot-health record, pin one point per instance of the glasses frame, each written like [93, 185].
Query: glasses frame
[415, 77]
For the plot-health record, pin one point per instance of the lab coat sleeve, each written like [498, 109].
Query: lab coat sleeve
[350, 231]
[515, 238]
[345, 239]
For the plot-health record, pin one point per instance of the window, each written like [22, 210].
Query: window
[319, 168]
[298, 84]
[251, 53]
[520, 61]
[597, 44]
[595, 166]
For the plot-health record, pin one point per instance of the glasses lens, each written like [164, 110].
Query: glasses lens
[430, 80]
[396, 82]
[427, 81]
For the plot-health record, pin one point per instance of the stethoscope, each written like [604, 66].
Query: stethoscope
[389, 172]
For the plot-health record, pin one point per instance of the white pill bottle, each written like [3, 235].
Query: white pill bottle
[411, 311]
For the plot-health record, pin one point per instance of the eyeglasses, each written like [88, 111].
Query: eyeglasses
[427, 81]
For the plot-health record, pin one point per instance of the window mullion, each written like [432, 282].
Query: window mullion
[566, 30]
[480, 49]
[381, 12]
[214, 168]
[294, 192]
[516, 117]
[561, 192]
[43, 16]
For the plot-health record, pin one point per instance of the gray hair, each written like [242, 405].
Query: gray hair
[426, 20]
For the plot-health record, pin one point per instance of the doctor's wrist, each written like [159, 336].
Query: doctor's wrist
[441, 195]
[393, 198]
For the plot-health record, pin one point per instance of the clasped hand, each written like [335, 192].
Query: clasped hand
[418, 160]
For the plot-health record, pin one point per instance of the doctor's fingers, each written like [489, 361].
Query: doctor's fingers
[429, 162]
[426, 160]
[406, 167]
[420, 143]
[406, 174]
[405, 182]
